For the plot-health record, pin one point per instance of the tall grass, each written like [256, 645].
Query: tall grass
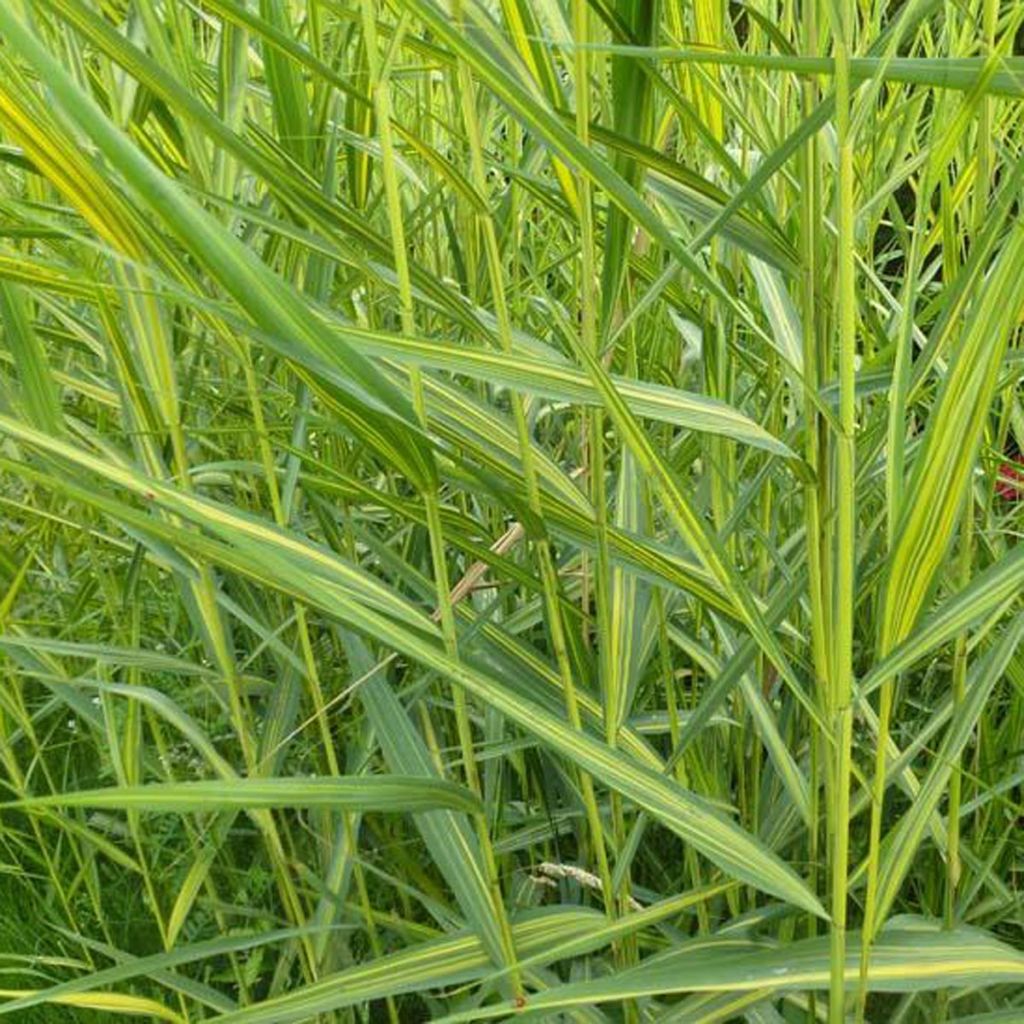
[506, 510]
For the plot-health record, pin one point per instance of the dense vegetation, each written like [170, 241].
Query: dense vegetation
[508, 510]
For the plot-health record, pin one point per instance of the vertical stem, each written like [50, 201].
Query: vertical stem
[540, 542]
[842, 720]
[595, 416]
[885, 700]
[380, 89]
[815, 454]
[953, 866]
[989, 19]
[674, 728]
[959, 682]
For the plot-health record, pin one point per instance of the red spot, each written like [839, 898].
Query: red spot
[520, 1002]
[1010, 478]
[149, 495]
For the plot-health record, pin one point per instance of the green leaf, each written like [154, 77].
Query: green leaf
[388, 420]
[907, 957]
[138, 967]
[39, 391]
[948, 452]
[904, 837]
[385, 793]
[452, 960]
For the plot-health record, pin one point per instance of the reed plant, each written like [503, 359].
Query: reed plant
[509, 510]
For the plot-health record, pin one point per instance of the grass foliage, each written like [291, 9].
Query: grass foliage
[505, 510]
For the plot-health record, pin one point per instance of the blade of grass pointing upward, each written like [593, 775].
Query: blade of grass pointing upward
[595, 574]
[151, 359]
[269, 301]
[300, 362]
[38, 391]
[537, 530]
[690, 526]
[381, 89]
[939, 482]
[845, 539]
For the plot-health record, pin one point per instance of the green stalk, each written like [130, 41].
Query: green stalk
[674, 728]
[990, 16]
[816, 455]
[380, 89]
[540, 541]
[953, 863]
[964, 565]
[595, 443]
[842, 679]
[895, 482]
